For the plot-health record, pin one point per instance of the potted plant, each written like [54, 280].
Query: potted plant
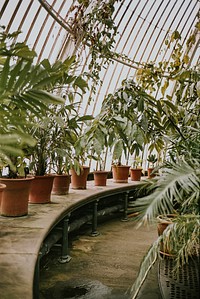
[65, 130]
[152, 160]
[100, 174]
[41, 187]
[136, 169]
[54, 78]
[22, 95]
[120, 171]
[130, 117]
[29, 92]
[79, 171]
[95, 136]
[14, 198]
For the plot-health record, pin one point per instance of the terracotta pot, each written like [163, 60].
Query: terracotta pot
[2, 187]
[150, 175]
[14, 202]
[163, 221]
[136, 174]
[79, 181]
[100, 178]
[120, 173]
[41, 188]
[61, 184]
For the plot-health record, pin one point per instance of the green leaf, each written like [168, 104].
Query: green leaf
[159, 107]
[117, 151]
[170, 105]
[81, 83]
[4, 75]
[14, 74]
[164, 87]
[22, 77]
[45, 96]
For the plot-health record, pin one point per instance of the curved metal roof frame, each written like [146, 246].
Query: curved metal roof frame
[142, 25]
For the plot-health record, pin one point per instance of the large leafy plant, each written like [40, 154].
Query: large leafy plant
[129, 116]
[28, 92]
[177, 189]
[25, 89]
[65, 135]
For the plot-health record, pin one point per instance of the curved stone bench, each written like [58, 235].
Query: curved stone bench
[21, 238]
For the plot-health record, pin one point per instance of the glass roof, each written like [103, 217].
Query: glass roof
[142, 28]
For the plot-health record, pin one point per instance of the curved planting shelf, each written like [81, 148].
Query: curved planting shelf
[25, 239]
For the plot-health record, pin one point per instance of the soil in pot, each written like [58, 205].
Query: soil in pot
[41, 188]
[120, 173]
[79, 181]
[15, 196]
[100, 178]
[61, 184]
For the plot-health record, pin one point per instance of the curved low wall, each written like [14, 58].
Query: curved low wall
[21, 238]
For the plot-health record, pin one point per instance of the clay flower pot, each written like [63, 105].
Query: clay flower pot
[41, 188]
[136, 174]
[14, 202]
[61, 184]
[2, 187]
[100, 178]
[163, 221]
[120, 173]
[79, 181]
[150, 174]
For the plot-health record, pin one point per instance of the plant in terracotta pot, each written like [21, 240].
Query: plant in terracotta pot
[120, 171]
[136, 169]
[39, 156]
[96, 138]
[23, 93]
[55, 78]
[131, 118]
[14, 199]
[29, 92]
[151, 167]
[100, 173]
[64, 132]
[79, 171]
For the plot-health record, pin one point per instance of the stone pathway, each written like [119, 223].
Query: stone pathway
[101, 267]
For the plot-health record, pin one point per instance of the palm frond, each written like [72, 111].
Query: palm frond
[146, 265]
[180, 240]
[179, 184]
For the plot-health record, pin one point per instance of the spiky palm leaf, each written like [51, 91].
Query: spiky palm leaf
[179, 184]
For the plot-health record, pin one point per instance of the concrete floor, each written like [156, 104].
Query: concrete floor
[101, 267]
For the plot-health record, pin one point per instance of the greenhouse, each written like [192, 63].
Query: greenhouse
[99, 149]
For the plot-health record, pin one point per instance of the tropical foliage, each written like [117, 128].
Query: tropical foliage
[30, 92]
[177, 189]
